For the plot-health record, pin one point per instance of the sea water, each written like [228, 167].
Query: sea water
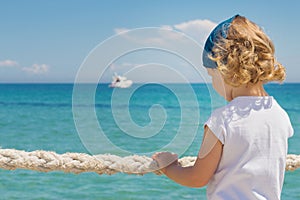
[41, 117]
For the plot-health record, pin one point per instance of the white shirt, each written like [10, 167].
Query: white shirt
[254, 132]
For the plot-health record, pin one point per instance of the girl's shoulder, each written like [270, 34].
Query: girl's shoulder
[243, 106]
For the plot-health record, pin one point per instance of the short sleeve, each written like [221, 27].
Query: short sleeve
[216, 124]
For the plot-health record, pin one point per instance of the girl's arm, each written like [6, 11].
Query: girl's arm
[204, 167]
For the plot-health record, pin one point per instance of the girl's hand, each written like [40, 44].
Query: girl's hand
[165, 159]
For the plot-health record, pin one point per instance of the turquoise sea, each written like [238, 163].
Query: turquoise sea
[39, 116]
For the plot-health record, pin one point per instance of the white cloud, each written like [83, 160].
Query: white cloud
[161, 36]
[168, 27]
[8, 63]
[121, 30]
[197, 29]
[37, 69]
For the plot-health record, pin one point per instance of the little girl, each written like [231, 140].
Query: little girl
[244, 147]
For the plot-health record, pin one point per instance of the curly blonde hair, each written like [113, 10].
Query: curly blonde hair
[246, 55]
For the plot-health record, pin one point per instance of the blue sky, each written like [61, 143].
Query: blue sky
[47, 41]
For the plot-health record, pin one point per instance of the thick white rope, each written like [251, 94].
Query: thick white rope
[45, 161]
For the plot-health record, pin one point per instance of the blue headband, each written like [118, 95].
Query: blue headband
[220, 30]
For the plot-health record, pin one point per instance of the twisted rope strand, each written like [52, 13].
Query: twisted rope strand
[45, 161]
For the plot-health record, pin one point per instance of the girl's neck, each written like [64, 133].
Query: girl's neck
[249, 90]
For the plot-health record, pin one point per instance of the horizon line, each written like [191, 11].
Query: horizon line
[288, 82]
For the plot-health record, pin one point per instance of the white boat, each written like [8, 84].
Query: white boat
[120, 82]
